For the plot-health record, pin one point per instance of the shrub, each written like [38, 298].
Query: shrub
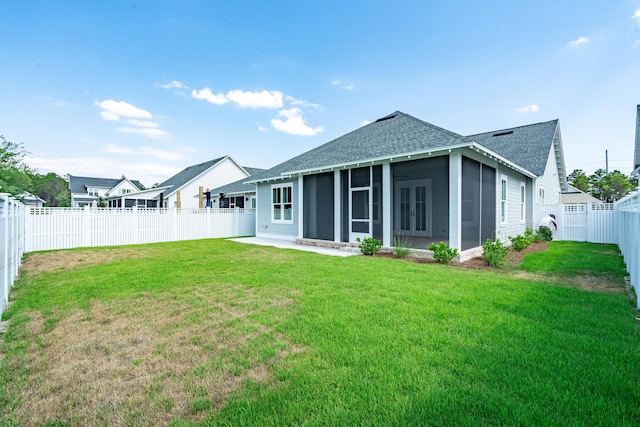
[495, 253]
[520, 242]
[401, 245]
[369, 245]
[531, 233]
[442, 252]
[545, 233]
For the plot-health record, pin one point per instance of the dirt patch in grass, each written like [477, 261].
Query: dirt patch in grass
[37, 263]
[152, 360]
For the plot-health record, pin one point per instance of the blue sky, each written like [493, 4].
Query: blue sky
[146, 88]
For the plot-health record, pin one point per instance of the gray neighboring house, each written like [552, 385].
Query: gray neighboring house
[236, 194]
[401, 176]
[87, 190]
[576, 196]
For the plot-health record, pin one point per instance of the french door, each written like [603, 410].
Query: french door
[413, 208]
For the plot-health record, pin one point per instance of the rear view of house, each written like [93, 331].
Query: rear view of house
[400, 176]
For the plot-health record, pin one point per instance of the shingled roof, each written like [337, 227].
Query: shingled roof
[80, 184]
[189, 173]
[526, 146]
[390, 136]
[238, 187]
[400, 134]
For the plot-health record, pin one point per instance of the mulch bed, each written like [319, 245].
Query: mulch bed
[514, 258]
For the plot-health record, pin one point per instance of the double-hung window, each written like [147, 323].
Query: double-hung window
[282, 203]
[523, 201]
[503, 199]
[93, 192]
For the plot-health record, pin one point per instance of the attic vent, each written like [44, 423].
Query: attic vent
[506, 132]
[385, 118]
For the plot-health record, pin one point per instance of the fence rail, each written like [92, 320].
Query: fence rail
[11, 245]
[64, 228]
[627, 222]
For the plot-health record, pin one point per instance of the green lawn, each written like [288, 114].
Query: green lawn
[220, 333]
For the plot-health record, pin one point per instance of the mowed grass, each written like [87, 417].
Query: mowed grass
[220, 333]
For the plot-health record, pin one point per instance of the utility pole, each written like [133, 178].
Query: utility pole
[606, 156]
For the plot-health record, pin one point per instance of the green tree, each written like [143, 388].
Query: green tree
[611, 186]
[53, 189]
[579, 179]
[15, 175]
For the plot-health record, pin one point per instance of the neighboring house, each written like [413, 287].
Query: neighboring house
[401, 176]
[178, 190]
[236, 194]
[87, 190]
[575, 196]
[30, 200]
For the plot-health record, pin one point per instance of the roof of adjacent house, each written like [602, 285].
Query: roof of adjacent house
[189, 173]
[393, 135]
[527, 146]
[238, 187]
[574, 195]
[399, 134]
[80, 184]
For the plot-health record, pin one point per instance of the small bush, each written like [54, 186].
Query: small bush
[495, 253]
[369, 245]
[442, 252]
[520, 242]
[545, 233]
[531, 233]
[401, 245]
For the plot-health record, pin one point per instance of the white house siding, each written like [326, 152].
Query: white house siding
[125, 185]
[513, 226]
[222, 173]
[264, 226]
[551, 184]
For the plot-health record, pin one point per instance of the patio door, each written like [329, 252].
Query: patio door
[413, 208]
[360, 206]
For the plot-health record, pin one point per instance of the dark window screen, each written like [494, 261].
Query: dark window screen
[318, 220]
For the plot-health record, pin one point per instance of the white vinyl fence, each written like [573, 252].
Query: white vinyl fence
[11, 245]
[627, 221]
[63, 228]
[586, 222]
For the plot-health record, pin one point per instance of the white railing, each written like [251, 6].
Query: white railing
[627, 212]
[11, 245]
[64, 228]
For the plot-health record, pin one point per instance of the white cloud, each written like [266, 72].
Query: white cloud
[206, 95]
[350, 87]
[114, 110]
[174, 84]
[578, 42]
[55, 102]
[364, 122]
[148, 152]
[636, 16]
[301, 102]
[294, 123]
[336, 82]
[142, 123]
[531, 108]
[262, 128]
[263, 99]
[150, 132]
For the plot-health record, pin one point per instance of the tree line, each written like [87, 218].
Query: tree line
[18, 179]
[608, 187]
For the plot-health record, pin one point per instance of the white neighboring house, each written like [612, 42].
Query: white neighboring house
[234, 195]
[87, 190]
[178, 191]
[29, 199]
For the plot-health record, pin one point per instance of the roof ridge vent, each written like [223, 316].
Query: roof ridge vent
[382, 119]
[504, 132]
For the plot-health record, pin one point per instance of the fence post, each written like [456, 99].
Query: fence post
[86, 227]
[4, 246]
[208, 211]
[136, 226]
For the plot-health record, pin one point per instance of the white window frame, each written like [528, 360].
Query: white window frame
[93, 192]
[523, 202]
[504, 197]
[541, 196]
[282, 203]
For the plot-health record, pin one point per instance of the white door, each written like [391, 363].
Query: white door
[413, 207]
